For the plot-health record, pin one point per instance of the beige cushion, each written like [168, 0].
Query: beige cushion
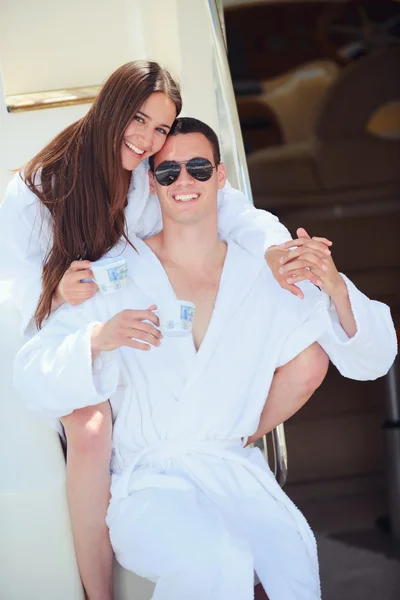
[284, 169]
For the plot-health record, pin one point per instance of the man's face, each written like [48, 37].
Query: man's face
[188, 200]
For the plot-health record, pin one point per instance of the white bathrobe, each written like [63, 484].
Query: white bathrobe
[191, 508]
[25, 233]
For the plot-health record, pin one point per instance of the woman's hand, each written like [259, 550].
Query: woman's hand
[70, 289]
[125, 329]
[280, 261]
[313, 256]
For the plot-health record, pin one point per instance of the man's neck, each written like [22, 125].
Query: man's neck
[193, 258]
[193, 246]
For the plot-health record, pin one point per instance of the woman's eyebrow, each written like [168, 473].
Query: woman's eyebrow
[139, 112]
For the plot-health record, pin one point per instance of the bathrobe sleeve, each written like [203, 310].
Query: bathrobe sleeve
[22, 249]
[253, 229]
[369, 354]
[53, 371]
[304, 321]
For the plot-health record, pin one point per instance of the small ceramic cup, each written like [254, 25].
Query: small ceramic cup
[176, 317]
[110, 274]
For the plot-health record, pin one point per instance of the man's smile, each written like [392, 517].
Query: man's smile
[192, 197]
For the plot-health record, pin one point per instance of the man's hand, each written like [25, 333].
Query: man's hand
[70, 289]
[123, 328]
[314, 256]
[279, 259]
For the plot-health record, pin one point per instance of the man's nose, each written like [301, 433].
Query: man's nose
[184, 177]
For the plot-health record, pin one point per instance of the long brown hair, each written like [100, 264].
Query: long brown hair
[79, 175]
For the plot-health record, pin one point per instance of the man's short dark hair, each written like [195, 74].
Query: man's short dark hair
[184, 125]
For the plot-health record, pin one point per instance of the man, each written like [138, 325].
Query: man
[191, 508]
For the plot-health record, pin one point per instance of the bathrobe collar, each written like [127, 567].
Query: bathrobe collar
[147, 273]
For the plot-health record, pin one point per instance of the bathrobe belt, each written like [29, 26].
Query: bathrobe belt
[164, 450]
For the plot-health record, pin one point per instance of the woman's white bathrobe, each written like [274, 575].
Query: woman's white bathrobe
[25, 233]
[191, 508]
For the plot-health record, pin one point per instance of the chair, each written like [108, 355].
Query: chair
[342, 158]
[344, 182]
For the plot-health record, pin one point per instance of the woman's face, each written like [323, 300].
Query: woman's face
[148, 130]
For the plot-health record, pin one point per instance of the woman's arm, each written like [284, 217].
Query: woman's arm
[364, 352]
[252, 228]
[24, 238]
[256, 230]
[361, 338]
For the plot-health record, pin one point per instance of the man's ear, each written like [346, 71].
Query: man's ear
[221, 173]
[151, 183]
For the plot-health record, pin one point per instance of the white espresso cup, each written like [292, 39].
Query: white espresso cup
[110, 274]
[176, 317]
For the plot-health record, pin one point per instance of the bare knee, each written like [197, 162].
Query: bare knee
[88, 430]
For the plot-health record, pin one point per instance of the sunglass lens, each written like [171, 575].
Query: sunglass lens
[167, 172]
[200, 168]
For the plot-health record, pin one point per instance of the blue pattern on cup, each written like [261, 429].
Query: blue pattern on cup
[187, 313]
[117, 273]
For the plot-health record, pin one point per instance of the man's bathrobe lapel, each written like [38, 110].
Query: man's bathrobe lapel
[149, 275]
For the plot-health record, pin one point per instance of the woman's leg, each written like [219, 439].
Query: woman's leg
[88, 433]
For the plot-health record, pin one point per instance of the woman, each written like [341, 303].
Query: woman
[71, 204]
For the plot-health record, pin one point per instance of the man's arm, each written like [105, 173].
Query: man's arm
[293, 384]
[54, 372]
[72, 363]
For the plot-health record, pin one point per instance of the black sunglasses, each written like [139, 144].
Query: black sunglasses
[168, 171]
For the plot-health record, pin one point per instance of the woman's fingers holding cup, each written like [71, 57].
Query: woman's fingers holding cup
[79, 265]
[88, 290]
[83, 275]
[83, 287]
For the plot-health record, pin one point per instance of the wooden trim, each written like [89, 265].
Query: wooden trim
[52, 99]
